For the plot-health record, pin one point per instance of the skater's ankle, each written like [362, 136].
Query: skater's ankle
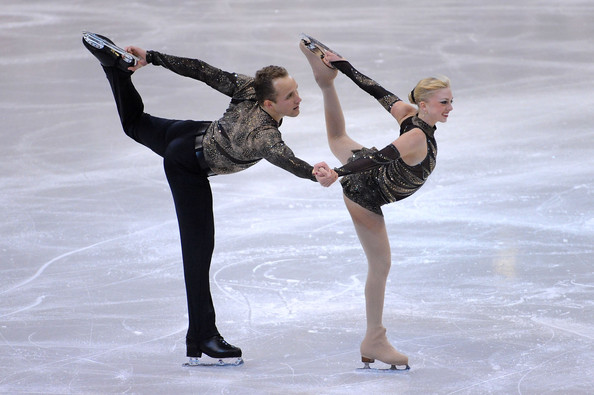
[325, 84]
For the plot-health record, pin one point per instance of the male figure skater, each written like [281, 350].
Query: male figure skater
[193, 151]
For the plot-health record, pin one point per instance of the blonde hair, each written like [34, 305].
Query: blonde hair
[426, 87]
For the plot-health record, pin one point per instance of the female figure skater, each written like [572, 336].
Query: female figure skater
[372, 178]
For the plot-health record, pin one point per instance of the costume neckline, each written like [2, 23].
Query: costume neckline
[424, 126]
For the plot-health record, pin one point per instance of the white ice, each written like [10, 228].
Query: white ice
[491, 288]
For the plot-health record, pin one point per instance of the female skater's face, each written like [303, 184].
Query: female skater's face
[439, 105]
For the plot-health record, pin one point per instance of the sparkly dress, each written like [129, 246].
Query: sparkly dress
[393, 181]
[246, 133]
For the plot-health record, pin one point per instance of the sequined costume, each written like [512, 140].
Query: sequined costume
[194, 150]
[388, 181]
[246, 133]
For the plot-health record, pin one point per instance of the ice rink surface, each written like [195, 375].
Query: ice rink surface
[491, 289]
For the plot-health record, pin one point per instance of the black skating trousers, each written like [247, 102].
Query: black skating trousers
[174, 141]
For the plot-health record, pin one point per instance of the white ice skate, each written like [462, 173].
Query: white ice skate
[368, 368]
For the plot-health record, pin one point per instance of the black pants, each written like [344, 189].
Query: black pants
[174, 141]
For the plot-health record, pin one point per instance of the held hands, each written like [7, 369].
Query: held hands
[324, 174]
[139, 53]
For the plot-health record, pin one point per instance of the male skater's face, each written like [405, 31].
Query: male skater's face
[287, 97]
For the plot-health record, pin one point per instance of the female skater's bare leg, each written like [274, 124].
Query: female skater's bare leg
[340, 143]
[370, 227]
[371, 230]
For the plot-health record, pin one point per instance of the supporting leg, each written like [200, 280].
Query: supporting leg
[193, 204]
[371, 230]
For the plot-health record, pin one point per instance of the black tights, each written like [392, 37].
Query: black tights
[174, 141]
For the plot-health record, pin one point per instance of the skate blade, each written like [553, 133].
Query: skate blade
[311, 44]
[99, 43]
[393, 368]
[208, 361]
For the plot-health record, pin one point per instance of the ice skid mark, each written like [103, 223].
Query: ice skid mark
[218, 284]
[573, 282]
[537, 368]
[332, 226]
[125, 374]
[50, 262]
[73, 252]
[355, 284]
[92, 358]
[36, 303]
[130, 329]
[563, 325]
[165, 268]
[267, 275]
[285, 303]
[243, 300]
[290, 368]
[482, 383]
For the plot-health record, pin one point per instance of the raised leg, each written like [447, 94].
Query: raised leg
[340, 143]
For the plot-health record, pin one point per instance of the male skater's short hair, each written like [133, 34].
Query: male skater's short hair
[263, 82]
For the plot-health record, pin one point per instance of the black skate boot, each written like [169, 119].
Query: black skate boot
[109, 54]
[220, 352]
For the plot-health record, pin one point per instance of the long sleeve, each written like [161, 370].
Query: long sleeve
[386, 155]
[282, 156]
[223, 81]
[383, 96]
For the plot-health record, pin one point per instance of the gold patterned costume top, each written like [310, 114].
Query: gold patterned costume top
[246, 133]
[392, 181]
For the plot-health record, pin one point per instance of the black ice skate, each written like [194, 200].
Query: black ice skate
[109, 54]
[218, 353]
[318, 48]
